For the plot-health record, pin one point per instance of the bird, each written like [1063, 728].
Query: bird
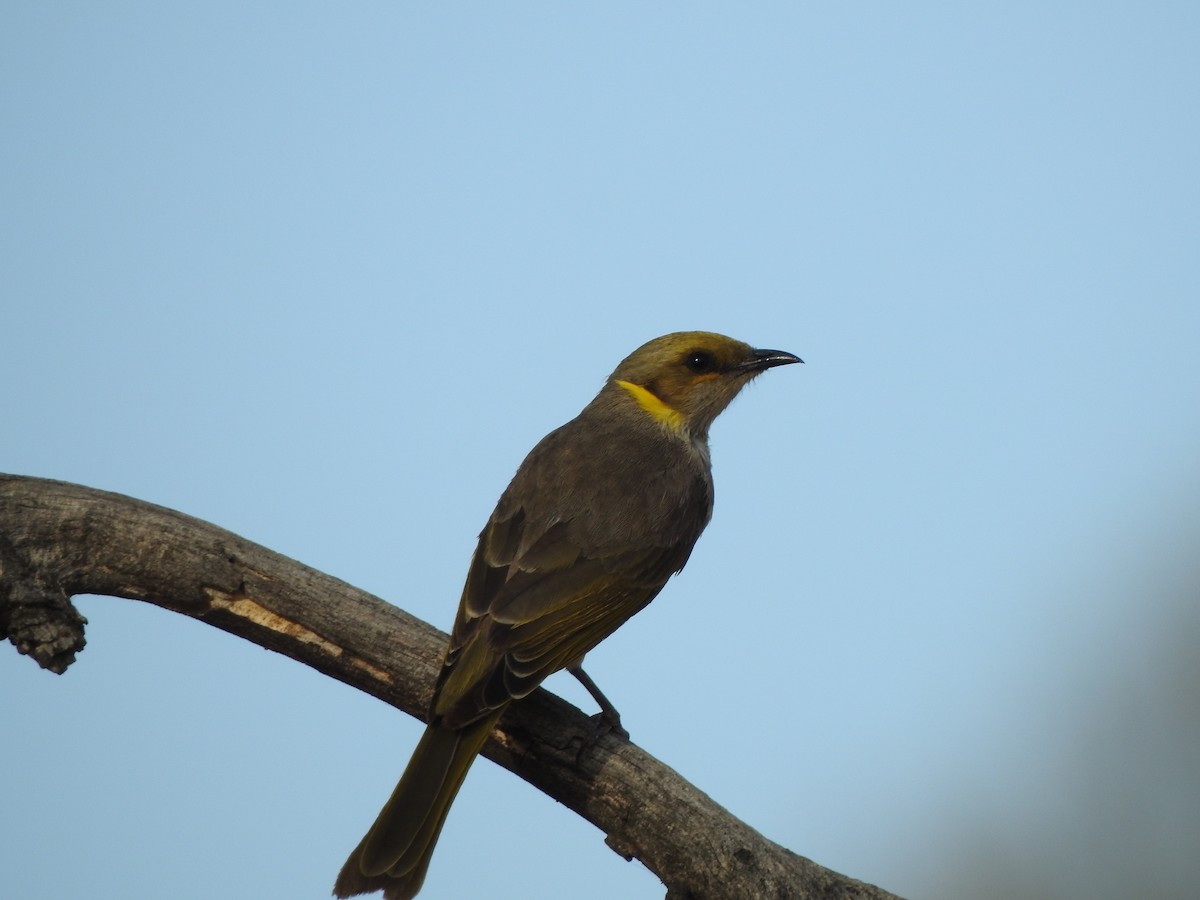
[602, 512]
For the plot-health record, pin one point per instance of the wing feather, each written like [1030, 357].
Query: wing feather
[545, 587]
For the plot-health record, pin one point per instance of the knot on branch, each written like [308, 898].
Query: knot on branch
[41, 622]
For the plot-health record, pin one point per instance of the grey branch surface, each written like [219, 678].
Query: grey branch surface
[58, 540]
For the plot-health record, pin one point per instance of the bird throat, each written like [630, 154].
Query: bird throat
[653, 404]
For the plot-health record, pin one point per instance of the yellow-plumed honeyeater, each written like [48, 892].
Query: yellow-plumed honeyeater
[599, 515]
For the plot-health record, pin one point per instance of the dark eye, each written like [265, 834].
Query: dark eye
[700, 362]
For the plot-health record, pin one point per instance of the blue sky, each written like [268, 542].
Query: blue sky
[323, 274]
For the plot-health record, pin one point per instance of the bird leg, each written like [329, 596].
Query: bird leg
[609, 720]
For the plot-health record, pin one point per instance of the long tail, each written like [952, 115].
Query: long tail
[395, 854]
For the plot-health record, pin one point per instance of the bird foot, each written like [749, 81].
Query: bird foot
[602, 724]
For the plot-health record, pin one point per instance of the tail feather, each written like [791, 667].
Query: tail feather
[395, 854]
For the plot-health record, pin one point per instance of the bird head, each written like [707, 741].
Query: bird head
[684, 380]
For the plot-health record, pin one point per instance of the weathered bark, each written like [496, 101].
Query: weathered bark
[58, 540]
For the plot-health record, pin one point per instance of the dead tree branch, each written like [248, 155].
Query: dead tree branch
[58, 540]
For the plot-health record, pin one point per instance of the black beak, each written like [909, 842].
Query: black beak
[768, 359]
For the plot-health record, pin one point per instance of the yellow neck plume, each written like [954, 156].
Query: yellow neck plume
[651, 403]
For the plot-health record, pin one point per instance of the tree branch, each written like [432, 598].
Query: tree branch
[58, 540]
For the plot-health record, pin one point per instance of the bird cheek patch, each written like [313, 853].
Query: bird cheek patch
[654, 405]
